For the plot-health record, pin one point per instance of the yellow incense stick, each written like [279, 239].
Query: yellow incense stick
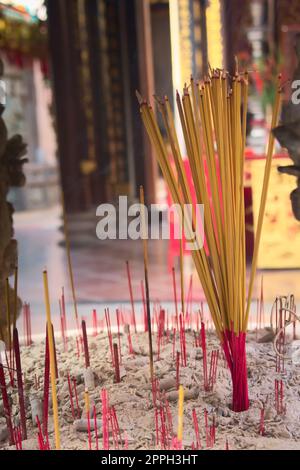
[52, 362]
[145, 252]
[87, 400]
[262, 208]
[180, 413]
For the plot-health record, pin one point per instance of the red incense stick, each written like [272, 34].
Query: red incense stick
[63, 307]
[175, 296]
[85, 345]
[42, 444]
[95, 323]
[116, 363]
[76, 396]
[177, 369]
[71, 396]
[107, 318]
[6, 406]
[262, 422]
[131, 294]
[119, 335]
[46, 385]
[115, 426]
[105, 426]
[96, 427]
[89, 429]
[206, 428]
[27, 324]
[130, 348]
[55, 356]
[182, 341]
[196, 427]
[203, 345]
[62, 326]
[174, 341]
[20, 382]
[156, 426]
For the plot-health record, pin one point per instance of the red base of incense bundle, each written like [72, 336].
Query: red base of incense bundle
[234, 348]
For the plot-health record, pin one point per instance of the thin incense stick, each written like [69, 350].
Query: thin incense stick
[180, 414]
[145, 253]
[116, 363]
[55, 355]
[69, 258]
[264, 194]
[175, 296]
[182, 274]
[8, 315]
[76, 395]
[131, 294]
[144, 307]
[52, 362]
[20, 383]
[15, 297]
[71, 396]
[105, 426]
[119, 335]
[85, 345]
[96, 428]
[6, 406]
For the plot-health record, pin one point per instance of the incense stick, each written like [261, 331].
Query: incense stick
[15, 297]
[8, 315]
[180, 414]
[145, 254]
[116, 363]
[213, 108]
[6, 406]
[69, 258]
[52, 362]
[20, 383]
[85, 345]
[131, 294]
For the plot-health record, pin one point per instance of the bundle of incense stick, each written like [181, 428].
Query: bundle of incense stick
[213, 120]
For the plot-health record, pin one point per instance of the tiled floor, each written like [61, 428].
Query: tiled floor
[99, 269]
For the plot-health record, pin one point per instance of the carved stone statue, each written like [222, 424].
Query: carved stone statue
[288, 135]
[12, 151]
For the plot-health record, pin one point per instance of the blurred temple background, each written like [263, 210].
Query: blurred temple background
[71, 71]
